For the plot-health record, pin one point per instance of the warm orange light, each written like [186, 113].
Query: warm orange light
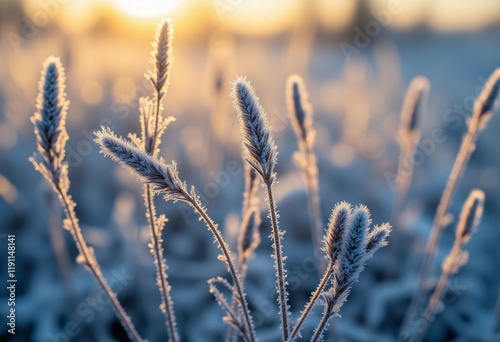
[148, 8]
[258, 17]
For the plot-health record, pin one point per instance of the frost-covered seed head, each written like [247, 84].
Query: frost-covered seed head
[50, 118]
[258, 144]
[163, 178]
[161, 57]
[414, 104]
[486, 100]
[470, 216]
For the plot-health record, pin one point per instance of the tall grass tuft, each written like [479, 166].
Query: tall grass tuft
[165, 180]
[50, 130]
[349, 243]
[409, 136]
[153, 125]
[260, 149]
[50, 124]
[260, 153]
[413, 110]
[470, 218]
[347, 246]
[301, 116]
[483, 109]
[333, 241]
[161, 59]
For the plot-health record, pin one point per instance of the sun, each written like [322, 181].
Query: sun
[147, 8]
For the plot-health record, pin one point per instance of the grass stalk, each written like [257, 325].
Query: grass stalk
[249, 237]
[238, 284]
[277, 235]
[333, 242]
[483, 109]
[301, 116]
[50, 130]
[161, 267]
[348, 244]
[153, 125]
[164, 179]
[321, 328]
[409, 136]
[260, 152]
[469, 221]
[87, 258]
[312, 302]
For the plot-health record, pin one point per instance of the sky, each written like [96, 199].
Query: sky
[268, 17]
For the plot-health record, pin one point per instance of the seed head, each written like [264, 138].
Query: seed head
[259, 145]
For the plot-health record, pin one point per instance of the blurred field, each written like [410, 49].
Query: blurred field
[357, 98]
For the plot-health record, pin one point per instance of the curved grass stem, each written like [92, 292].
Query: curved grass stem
[323, 323]
[94, 269]
[312, 302]
[463, 156]
[430, 310]
[279, 262]
[157, 252]
[250, 333]
[313, 202]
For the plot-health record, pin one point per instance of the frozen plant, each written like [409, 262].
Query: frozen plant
[409, 136]
[348, 240]
[153, 125]
[470, 218]
[348, 244]
[482, 112]
[50, 130]
[260, 153]
[301, 116]
[164, 179]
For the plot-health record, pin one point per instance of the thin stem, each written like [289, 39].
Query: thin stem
[403, 181]
[444, 204]
[155, 239]
[60, 249]
[314, 207]
[158, 255]
[312, 301]
[248, 200]
[324, 321]
[230, 263]
[96, 271]
[279, 264]
[430, 311]
[231, 333]
[157, 116]
[402, 185]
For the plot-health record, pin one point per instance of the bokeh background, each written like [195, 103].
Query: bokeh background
[357, 58]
